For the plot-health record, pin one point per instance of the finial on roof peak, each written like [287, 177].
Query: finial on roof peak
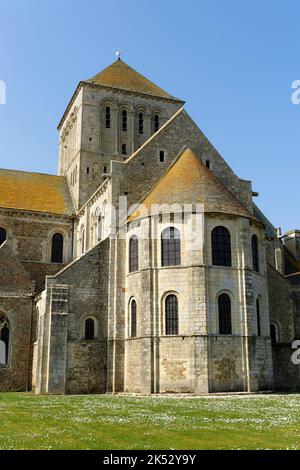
[118, 54]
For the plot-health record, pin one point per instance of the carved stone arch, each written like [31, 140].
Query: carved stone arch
[125, 105]
[140, 108]
[225, 291]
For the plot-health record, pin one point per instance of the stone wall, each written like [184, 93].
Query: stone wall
[29, 235]
[75, 365]
[16, 293]
[284, 314]
[199, 359]
[140, 172]
[87, 146]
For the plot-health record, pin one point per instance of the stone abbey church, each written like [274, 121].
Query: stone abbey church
[94, 303]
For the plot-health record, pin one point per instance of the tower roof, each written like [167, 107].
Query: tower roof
[120, 75]
[189, 181]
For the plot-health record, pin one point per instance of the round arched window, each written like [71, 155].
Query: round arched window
[57, 251]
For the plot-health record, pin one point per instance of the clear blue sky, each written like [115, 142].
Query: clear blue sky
[232, 61]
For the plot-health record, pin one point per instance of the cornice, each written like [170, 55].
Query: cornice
[115, 89]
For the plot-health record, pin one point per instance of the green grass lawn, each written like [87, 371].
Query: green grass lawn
[106, 422]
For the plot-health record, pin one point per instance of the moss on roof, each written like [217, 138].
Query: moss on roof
[35, 192]
[120, 75]
[189, 181]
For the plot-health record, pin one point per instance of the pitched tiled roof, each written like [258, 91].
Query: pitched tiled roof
[120, 75]
[189, 181]
[35, 192]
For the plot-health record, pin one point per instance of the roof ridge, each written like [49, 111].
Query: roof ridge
[122, 76]
[32, 172]
[235, 206]
[153, 136]
[160, 179]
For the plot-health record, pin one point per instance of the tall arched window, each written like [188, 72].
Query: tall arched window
[133, 254]
[172, 323]
[4, 339]
[89, 329]
[221, 247]
[258, 317]
[124, 120]
[99, 227]
[107, 117]
[156, 123]
[2, 235]
[225, 325]
[255, 257]
[133, 319]
[57, 248]
[170, 247]
[141, 123]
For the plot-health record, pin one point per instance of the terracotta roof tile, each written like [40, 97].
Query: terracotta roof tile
[35, 192]
[120, 75]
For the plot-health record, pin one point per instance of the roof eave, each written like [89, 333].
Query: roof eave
[97, 85]
[74, 96]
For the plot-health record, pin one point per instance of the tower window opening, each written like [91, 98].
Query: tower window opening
[156, 122]
[124, 120]
[162, 156]
[107, 117]
[141, 123]
[124, 149]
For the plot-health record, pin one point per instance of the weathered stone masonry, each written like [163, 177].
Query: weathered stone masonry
[66, 290]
